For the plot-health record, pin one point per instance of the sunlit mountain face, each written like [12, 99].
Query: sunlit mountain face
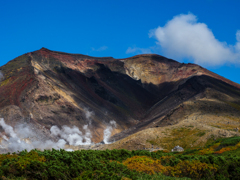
[83, 100]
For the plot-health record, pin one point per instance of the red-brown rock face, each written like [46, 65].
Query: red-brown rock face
[48, 88]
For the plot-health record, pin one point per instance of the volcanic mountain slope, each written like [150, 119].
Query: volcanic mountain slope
[47, 88]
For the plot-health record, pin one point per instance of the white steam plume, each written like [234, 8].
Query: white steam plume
[88, 134]
[73, 135]
[24, 137]
[8, 129]
[108, 131]
[1, 76]
[88, 115]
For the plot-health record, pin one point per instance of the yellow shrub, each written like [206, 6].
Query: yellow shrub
[8, 156]
[238, 145]
[206, 151]
[193, 169]
[144, 164]
[209, 150]
[125, 178]
[22, 161]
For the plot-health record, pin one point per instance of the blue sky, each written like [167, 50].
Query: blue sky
[205, 32]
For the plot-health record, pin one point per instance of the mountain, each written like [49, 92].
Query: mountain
[143, 94]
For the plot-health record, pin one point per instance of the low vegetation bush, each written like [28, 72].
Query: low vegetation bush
[219, 160]
[144, 164]
[193, 169]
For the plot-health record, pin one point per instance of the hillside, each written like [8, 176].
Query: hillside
[149, 97]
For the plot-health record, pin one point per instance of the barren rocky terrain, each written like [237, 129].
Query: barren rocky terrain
[156, 102]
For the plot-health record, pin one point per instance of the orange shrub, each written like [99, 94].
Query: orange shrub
[223, 150]
[230, 148]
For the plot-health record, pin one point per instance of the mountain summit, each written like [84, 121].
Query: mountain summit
[47, 88]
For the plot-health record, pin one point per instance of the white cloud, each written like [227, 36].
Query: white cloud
[184, 37]
[102, 48]
[138, 50]
[237, 46]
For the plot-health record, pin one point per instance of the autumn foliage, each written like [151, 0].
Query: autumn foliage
[219, 160]
[193, 169]
[144, 164]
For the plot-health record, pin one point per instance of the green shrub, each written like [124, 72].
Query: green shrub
[124, 164]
